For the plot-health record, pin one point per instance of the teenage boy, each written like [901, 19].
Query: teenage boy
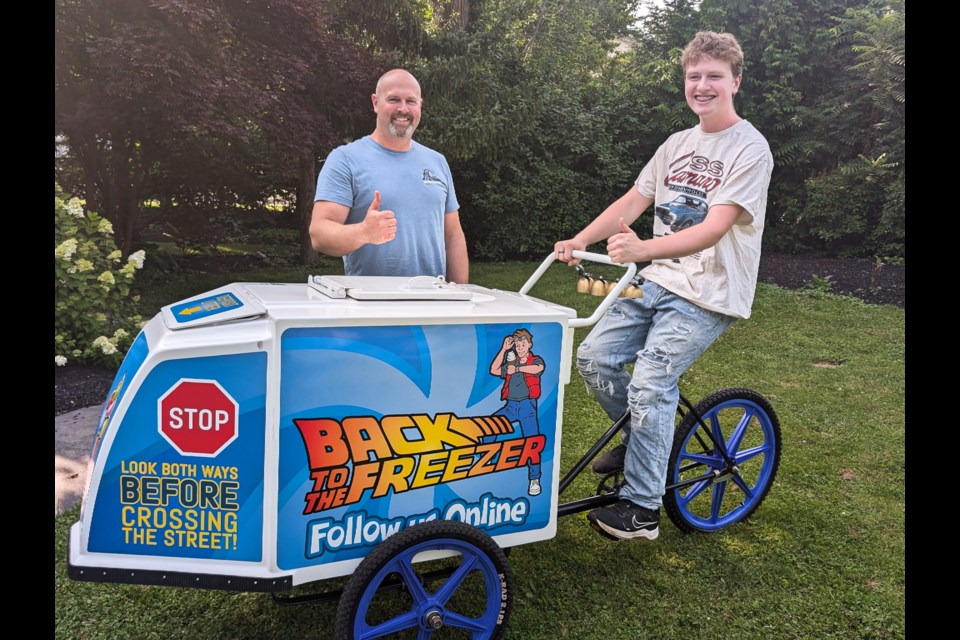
[709, 186]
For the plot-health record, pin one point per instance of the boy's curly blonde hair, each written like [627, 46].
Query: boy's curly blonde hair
[709, 44]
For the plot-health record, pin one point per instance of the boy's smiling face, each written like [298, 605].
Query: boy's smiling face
[709, 86]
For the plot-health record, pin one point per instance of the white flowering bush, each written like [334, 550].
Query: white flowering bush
[96, 311]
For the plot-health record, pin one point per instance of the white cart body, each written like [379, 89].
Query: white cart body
[261, 436]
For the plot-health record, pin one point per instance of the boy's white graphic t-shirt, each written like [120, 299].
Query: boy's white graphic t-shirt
[688, 174]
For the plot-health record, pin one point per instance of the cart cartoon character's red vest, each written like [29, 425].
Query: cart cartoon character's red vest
[533, 381]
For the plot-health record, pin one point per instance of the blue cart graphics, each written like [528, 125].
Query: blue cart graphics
[382, 427]
[131, 363]
[188, 469]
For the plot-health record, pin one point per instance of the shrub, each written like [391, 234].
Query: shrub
[96, 316]
[858, 210]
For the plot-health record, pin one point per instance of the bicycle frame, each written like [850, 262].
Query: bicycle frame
[584, 504]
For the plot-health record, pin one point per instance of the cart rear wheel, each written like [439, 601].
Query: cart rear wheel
[745, 425]
[474, 601]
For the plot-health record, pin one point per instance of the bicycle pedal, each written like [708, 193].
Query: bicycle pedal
[610, 483]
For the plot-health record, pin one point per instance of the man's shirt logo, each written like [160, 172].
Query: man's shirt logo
[430, 178]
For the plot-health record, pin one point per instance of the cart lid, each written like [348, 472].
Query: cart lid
[389, 288]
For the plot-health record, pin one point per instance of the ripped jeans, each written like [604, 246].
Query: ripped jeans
[662, 334]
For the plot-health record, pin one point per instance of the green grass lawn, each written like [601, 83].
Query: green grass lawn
[822, 558]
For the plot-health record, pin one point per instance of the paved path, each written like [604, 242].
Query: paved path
[73, 441]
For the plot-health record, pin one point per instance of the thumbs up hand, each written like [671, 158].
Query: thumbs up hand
[624, 246]
[379, 226]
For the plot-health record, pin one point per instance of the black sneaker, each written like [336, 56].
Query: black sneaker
[626, 521]
[610, 461]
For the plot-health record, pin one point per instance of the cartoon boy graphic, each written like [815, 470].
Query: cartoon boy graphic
[521, 370]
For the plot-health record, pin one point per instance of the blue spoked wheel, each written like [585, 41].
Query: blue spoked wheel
[721, 485]
[438, 579]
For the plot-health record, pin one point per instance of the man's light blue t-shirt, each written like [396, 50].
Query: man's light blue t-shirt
[416, 185]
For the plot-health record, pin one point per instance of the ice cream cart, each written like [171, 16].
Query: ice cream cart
[263, 436]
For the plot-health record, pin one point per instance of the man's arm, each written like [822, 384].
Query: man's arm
[458, 265]
[330, 235]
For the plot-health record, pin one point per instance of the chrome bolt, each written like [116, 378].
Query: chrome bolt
[434, 619]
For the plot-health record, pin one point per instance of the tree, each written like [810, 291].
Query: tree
[522, 96]
[814, 70]
[654, 76]
[131, 76]
[546, 109]
[857, 206]
[145, 89]
[528, 105]
[319, 86]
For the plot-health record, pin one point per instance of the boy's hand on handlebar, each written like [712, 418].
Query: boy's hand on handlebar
[565, 248]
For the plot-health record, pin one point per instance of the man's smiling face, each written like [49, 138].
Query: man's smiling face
[397, 105]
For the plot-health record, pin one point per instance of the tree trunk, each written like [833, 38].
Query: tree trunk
[110, 190]
[306, 189]
[462, 10]
[127, 200]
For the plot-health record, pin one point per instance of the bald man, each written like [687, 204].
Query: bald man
[385, 203]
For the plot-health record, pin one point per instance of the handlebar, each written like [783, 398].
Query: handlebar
[622, 283]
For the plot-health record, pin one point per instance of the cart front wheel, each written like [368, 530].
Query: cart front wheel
[450, 576]
[713, 485]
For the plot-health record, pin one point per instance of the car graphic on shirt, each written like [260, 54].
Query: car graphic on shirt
[682, 212]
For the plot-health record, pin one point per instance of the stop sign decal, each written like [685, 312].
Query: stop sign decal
[198, 417]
